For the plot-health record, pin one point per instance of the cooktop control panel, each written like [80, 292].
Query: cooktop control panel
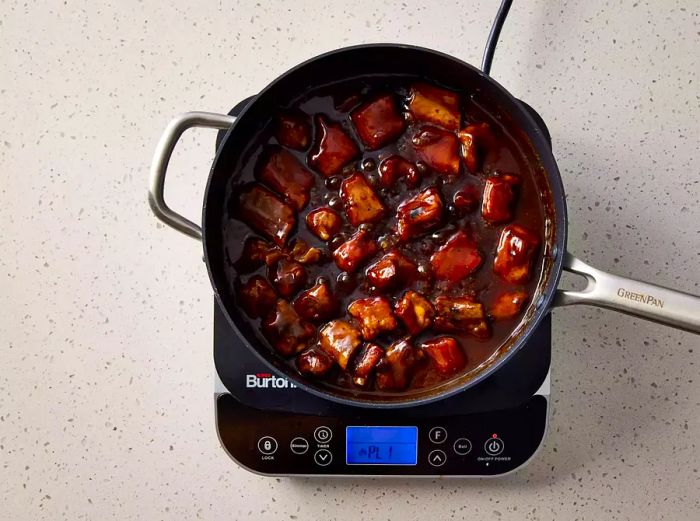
[392, 443]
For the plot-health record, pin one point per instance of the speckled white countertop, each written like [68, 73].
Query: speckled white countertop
[106, 406]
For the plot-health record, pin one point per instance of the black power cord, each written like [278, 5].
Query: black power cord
[493, 35]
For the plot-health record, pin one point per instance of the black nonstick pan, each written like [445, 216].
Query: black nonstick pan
[636, 298]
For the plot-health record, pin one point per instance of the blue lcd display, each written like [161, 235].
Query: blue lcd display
[369, 445]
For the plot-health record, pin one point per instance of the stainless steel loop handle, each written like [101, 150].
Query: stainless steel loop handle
[641, 299]
[161, 158]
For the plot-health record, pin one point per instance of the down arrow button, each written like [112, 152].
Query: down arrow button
[323, 457]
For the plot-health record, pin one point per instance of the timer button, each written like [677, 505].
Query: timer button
[323, 457]
[462, 446]
[494, 446]
[267, 445]
[299, 445]
[437, 458]
[323, 434]
[437, 435]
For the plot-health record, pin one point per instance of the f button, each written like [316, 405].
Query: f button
[437, 435]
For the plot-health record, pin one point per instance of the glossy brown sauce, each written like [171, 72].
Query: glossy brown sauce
[505, 156]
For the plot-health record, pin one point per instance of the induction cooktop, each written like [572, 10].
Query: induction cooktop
[271, 427]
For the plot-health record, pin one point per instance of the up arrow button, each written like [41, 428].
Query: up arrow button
[437, 458]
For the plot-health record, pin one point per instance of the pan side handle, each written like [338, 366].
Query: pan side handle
[161, 158]
[640, 299]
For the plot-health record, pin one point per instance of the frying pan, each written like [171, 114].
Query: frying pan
[636, 298]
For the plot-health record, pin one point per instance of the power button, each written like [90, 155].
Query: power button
[494, 446]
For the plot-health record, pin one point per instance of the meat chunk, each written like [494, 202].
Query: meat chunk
[435, 105]
[499, 196]
[374, 314]
[256, 296]
[446, 353]
[361, 202]
[455, 260]
[467, 199]
[256, 252]
[396, 167]
[475, 140]
[316, 303]
[313, 362]
[265, 213]
[333, 148]
[293, 130]
[438, 148]
[365, 362]
[354, 252]
[419, 214]
[302, 253]
[340, 340]
[395, 370]
[287, 276]
[508, 304]
[414, 310]
[514, 254]
[281, 171]
[461, 314]
[285, 330]
[378, 121]
[324, 223]
[391, 270]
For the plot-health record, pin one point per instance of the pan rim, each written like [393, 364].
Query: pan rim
[548, 288]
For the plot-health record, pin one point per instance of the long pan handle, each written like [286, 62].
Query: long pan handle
[641, 299]
[161, 158]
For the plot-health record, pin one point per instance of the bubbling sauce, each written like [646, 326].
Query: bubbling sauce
[455, 218]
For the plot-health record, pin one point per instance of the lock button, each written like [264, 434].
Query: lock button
[267, 445]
